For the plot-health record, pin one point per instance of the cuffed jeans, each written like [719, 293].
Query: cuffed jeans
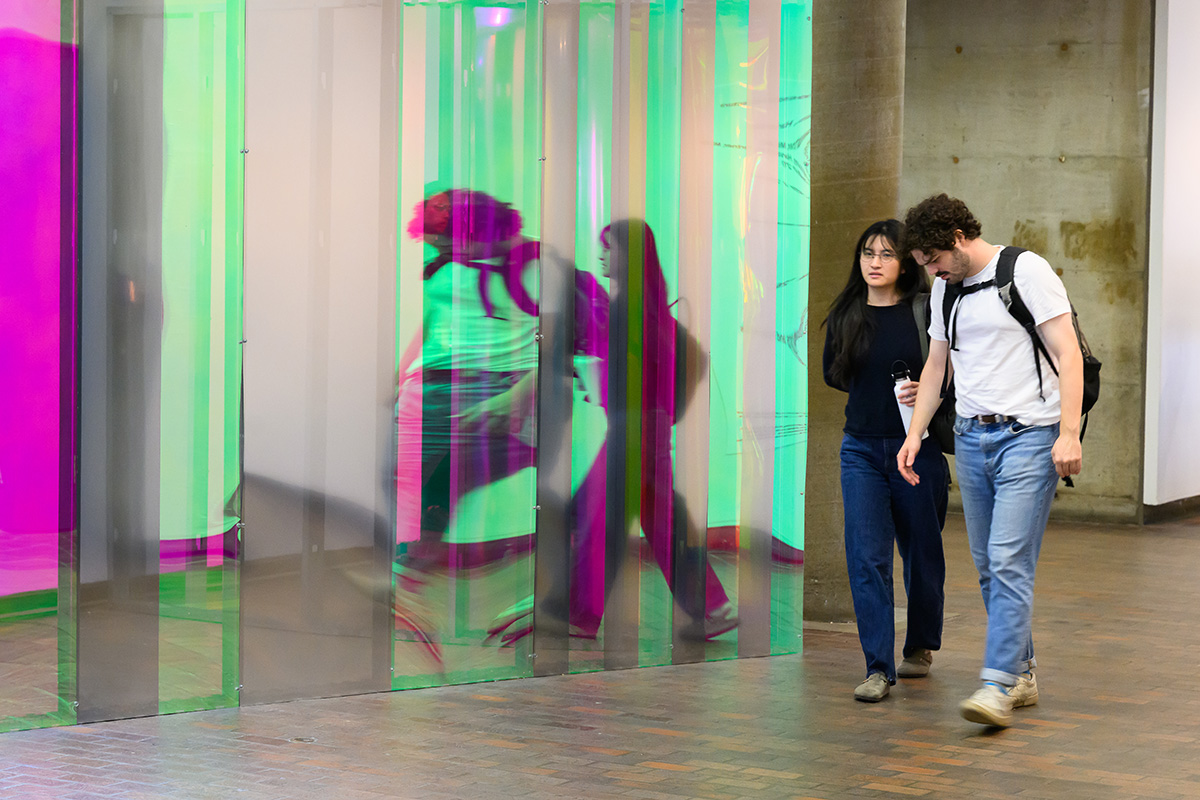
[881, 508]
[1007, 479]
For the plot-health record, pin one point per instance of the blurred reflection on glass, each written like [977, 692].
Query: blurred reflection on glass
[630, 338]
[464, 413]
[639, 313]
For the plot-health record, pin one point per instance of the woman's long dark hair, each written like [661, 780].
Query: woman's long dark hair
[850, 328]
[633, 259]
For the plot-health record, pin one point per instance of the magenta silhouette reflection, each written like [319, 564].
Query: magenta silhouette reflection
[465, 406]
[600, 512]
[630, 253]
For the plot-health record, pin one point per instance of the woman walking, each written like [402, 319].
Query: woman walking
[872, 343]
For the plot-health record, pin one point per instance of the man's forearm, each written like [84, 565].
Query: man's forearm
[929, 392]
[1070, 389]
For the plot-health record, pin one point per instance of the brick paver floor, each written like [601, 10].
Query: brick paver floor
[1119, 716]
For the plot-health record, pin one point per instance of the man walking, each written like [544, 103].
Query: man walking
[1017, 430]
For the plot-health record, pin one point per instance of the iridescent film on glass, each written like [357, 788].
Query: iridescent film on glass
[360, 345]
[677, 133]
[161, 356]
[467, 338]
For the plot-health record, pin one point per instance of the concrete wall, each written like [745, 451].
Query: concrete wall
[1036, 113]
[1173, 346]
[858, 86]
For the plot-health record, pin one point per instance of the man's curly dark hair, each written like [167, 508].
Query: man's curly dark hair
[931, 223]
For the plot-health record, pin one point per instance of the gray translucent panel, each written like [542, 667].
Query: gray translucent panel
[319, 356]
[122, 290]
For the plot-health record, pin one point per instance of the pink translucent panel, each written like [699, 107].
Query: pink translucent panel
[31, 301]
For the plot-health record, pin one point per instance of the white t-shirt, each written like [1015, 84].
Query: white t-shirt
[459, 334]
[994, 370]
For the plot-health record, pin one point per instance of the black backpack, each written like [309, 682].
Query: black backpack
[1020, 312]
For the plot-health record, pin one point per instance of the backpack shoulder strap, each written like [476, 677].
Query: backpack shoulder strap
[953, 290]
[949, 297]
[920, 309]
[1005, 270]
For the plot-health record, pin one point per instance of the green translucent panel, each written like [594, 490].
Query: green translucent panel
[729, 193]
[593, 210]
[791, 372]
[201, 353]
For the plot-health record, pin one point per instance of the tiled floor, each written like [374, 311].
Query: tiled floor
[1119, 716]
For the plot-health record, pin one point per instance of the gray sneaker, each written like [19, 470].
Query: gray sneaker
[1025, 693]
[873, 689]
[990, 705]
[915, 665]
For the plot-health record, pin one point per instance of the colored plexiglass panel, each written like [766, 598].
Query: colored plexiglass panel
[435, 183]
[37, 357]
[618, 116]
[161, 318]
[200, 375]
[467, 322]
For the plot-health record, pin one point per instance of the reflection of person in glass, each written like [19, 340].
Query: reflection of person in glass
[630, 254]
[467, 381]
[870, 328]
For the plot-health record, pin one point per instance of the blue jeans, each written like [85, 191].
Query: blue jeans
[881, 508]
[1007, 479]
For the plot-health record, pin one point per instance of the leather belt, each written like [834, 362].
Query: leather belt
[991, 418]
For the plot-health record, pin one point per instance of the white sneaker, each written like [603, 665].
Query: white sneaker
[1025, 693]
[990, 705]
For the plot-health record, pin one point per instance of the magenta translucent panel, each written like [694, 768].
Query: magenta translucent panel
[36, 229]
[37, 359]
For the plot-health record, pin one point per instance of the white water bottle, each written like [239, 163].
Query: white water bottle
[900, 376]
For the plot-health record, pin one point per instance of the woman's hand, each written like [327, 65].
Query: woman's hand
[906, 457]
[908, 393]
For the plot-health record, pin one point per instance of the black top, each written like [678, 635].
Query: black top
[871, 411]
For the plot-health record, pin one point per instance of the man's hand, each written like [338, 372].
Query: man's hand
[1068, 455]
[906, 457]
[496, 415]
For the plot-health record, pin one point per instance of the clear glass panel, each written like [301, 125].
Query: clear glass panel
[791, 324]
[38, 129]
[162, 178]
[320, 358]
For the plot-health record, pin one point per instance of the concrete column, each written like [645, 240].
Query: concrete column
[858, 94]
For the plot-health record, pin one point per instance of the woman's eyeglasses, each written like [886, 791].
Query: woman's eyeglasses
[887, 256]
